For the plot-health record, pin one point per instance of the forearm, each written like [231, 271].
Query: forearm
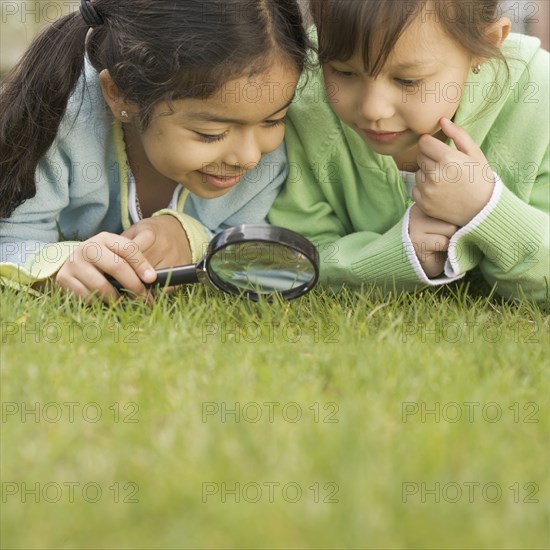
[24, 263]
[349, 256]
[388, 260]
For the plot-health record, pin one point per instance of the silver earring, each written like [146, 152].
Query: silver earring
[124, 114]
[476, 69]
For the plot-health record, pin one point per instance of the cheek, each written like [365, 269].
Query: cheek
[425, 122]
[273, 138]
[334, 91]
[441, 98]
[424, 110]
[341, 99]
[174, 154]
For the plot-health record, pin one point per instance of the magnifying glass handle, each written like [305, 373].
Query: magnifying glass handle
[181, 275]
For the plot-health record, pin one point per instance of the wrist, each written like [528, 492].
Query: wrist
[483, 197]
[172, 226]
[197, 234]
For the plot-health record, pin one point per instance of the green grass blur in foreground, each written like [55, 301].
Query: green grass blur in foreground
[349, 420]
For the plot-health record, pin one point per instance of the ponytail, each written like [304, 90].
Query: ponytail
[33, 100]
[155, 52]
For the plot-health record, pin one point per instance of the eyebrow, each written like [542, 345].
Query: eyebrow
[210, 117]
[413, 64]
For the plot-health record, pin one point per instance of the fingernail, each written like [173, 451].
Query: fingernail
[149, 274]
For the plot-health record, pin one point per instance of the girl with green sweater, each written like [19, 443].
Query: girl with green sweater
[420, 149]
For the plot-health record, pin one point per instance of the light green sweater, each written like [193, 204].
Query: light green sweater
[353, 203]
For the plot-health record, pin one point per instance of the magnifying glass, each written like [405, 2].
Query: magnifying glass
[252, 261]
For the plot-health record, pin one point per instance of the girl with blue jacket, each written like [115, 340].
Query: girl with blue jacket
[130, 132]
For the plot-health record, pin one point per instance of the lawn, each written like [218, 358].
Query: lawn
[336, 420]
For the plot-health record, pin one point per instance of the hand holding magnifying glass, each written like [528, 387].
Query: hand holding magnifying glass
[252, 261]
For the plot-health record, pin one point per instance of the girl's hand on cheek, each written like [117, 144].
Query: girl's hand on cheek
[430, 238]
[452, 185]
[106, 254]
[162, 240]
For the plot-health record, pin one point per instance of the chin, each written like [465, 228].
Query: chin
[214, 194]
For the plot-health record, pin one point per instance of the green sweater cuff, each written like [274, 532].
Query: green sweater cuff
[507, 233]
[387, 261]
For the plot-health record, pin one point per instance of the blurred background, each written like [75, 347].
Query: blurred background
[22, 19]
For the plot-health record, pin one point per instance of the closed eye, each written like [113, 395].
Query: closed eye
[278, 122]
[215, 138]
[341, 74]
[407, 82]
[211, 138]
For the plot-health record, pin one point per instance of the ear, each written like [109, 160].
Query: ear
[498, 31]
[122, 110]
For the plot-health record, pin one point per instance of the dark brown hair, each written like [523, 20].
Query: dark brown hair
[376, 25]
[155, 51]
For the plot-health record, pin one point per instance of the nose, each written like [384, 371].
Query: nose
[376, 102]
[245, 151]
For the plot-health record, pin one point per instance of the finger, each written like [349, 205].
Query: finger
[74, 286]
[434, 267]
[435, 226]
[439, 227]
[464, 143]
[131, 232]
[108, 262]
[435, 243]
[96, 284]
[430, 225]
[89, 285]
[428, 169]
[426, 163]
[130, 252]
[145, 239]
[440, 244]
[433, 148]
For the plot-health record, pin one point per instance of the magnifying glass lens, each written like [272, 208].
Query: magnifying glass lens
[261, 267]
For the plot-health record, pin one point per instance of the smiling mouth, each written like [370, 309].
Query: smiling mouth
[381, 136]
[221, 182]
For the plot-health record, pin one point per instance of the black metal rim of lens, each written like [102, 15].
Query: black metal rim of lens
[270, 234]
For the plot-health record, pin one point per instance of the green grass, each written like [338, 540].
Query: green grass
[363, 370]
